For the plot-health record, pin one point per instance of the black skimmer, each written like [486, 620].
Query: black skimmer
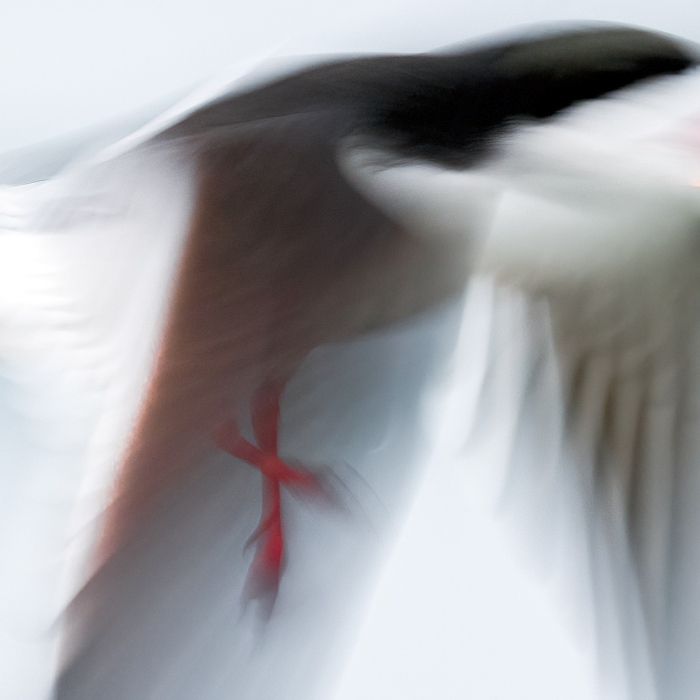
[320, 206]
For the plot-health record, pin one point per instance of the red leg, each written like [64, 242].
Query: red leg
[267, 565]
[266, 415]
[266, 569]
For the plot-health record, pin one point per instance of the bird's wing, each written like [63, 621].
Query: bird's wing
[86, 265]
[165, 617]
[594, 380]
[583, 419]
[88, 258]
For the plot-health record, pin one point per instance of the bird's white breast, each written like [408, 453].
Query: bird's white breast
[606, 192]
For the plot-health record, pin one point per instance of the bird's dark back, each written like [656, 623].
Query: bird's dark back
[446, 107]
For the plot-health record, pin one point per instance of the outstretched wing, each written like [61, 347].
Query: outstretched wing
[606, 203]
[281, 256]
[86, 261]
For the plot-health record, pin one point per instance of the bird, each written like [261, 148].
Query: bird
[334, 202]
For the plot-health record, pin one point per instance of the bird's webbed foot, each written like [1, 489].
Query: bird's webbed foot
[266, 569]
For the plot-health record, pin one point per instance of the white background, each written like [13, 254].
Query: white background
[70, 64]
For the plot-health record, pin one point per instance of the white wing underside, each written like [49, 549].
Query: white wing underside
[86, 264]
[589, 399]
[577, 367]
[592, 472]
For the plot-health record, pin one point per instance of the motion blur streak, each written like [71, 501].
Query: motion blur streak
[480, 262]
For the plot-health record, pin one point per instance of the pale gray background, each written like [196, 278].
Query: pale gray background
[71, 64]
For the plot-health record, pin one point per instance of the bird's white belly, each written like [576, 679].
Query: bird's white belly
[538, 242]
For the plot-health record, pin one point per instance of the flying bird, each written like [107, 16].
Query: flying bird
[234, 242]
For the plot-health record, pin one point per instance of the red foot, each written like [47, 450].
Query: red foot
[266, 569]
